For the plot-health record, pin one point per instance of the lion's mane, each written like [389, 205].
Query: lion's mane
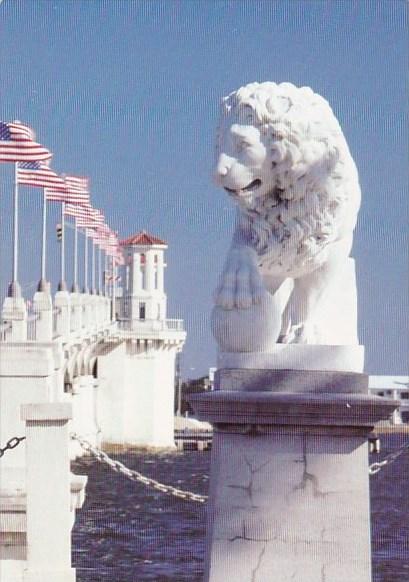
[315, 195]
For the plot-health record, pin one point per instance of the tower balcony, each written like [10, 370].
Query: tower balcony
[161, 329]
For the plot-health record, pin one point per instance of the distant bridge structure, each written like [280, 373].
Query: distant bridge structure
[108, 357]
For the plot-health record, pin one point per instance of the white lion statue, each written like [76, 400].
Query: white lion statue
[284, 161]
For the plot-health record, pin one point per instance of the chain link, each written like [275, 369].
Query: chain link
[135, 475]
[11, 444]
[391, 458]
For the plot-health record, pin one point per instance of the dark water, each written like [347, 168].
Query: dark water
[129, 533]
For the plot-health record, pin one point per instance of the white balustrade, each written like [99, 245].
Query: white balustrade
[62, 313]
[48, 485]
[76, 312]
[43, 310]
[15, 313]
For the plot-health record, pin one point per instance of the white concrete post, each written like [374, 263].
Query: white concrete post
[396, 417]
[15, 312]
[100, 310]
[87, 311]
[84, 406]
[76, 312]
[289, 493]
[43, 308]
[107, 309]
[48, 493]
[94, 311]
[62, 304]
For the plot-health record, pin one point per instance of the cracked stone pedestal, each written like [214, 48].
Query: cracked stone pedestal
[289, 490]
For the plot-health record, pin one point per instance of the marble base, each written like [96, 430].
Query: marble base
[319, 381]
[338, 358]
[289, 490]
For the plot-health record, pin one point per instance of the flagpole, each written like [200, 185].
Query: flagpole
[42, 286]
[113, 290]
[75, 284]
[14, 287]
[105, 274]
[86, 290]
[93, 268]
[63, 285]
[99, 270]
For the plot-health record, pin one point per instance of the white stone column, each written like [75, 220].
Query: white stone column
[101, 310]
[76, 312]
[62, 304]
[396, 417]
[98, 319]
[135, 277]
[161, 272]
[84, 411]
[94, 311]
[87, 315]
[107, 309]
[15, 312]
[43, 308]
[48, 493]
[150, 271]
[289, 491]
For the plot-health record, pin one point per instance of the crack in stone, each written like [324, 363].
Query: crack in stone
[245, 537]
[308, 477]
[260, 558]
[248, 489]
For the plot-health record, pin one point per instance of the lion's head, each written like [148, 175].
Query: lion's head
[283, 158]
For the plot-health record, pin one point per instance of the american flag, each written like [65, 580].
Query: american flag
[38, 174]
[76, 191]
[84, 214]
[113, 249]
[109, 277]
[17, 144]
[91, 233]
[99, 218]
[79, 210]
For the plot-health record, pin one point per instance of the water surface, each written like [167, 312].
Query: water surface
[128, 533]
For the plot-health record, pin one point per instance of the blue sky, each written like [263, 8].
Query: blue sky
[128, 92]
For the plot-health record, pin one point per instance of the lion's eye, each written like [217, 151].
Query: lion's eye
[242, 145]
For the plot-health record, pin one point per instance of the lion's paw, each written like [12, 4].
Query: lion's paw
[241, 285]
[303, 333]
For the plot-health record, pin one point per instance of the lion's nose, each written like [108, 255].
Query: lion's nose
[223, 166]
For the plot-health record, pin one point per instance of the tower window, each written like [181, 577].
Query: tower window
[143, 271]
[142, 310]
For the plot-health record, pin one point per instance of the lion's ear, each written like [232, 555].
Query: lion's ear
[333, 154]
[278, 106]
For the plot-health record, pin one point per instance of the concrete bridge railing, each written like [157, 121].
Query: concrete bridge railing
[47, 350]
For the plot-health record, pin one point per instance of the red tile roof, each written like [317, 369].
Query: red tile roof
[142, 238]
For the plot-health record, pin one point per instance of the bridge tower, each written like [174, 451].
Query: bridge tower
[144, 297]
[137, 378]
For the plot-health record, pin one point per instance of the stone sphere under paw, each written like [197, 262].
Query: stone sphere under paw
[255, 329]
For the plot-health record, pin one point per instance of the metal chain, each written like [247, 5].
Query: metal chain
[135, 475]
[391, 458]
[11, 444]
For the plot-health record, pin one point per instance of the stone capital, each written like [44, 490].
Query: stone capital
[289, 409]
